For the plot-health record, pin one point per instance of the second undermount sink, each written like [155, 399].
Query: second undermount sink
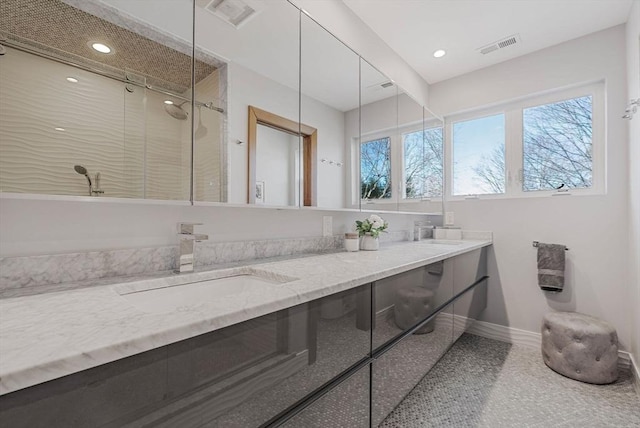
[185, 296]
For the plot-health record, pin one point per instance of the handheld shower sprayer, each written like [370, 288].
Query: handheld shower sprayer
[83, 171]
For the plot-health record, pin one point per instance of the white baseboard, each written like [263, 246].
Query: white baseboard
[533, 340]
[515, 336]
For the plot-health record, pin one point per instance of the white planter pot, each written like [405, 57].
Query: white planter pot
[369, 243]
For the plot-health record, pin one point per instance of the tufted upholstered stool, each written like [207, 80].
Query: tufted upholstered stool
[580, 346]
[413, 304]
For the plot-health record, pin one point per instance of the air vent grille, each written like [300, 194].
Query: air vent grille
[234, 12]
[500, 44]
[510, 41]
[489, 49]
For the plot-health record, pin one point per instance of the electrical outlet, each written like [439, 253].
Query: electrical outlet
[449, 219]
[327, 225]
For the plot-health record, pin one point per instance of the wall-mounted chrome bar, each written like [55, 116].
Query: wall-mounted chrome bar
[104, 73]
[536, 243]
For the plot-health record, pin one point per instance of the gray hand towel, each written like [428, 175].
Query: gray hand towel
[551, 267]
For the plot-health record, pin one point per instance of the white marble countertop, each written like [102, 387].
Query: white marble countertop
[47, 336]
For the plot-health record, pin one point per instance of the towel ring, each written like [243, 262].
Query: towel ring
[536, 243]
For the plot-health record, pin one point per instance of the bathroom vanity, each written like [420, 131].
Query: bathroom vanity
[312, 341]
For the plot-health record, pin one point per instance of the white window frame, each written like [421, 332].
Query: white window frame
[514, 144]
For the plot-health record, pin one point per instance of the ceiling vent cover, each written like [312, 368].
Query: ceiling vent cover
[500, 44]
[234, 12]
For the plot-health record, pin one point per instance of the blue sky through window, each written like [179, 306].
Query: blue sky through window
[478, 143]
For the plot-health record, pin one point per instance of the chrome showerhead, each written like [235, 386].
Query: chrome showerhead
[80, 169]
[83, 171]
[176, 111]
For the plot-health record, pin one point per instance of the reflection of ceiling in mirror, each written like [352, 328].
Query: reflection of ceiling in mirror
[330, 70]
[268, 44]
[66, 32]
[375, 85]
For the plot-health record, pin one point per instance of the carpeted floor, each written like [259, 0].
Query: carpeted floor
[485, 383]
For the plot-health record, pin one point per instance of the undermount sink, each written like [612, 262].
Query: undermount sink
[442, 242]
[187, 295]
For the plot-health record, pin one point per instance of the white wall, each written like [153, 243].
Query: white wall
[595, 228]
[633, 92]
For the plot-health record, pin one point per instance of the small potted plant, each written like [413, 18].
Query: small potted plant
[369, 230]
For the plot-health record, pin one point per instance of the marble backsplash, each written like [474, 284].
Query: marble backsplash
[34, 274]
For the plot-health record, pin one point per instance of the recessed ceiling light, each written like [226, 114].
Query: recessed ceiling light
[59, 129]
[72, 79]
[439, 53]
[168, 102]
[101, 47]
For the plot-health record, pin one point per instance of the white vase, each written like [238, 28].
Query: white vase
[369, 243]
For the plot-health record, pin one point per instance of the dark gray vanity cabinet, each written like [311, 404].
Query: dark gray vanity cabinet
[239, 376]
[403, 356]
[346, 360]
[469, 269]
[399, 369]
[346, 405]
[388, 293]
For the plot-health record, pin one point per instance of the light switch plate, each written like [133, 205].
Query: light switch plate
[449, 218]
[327, 225]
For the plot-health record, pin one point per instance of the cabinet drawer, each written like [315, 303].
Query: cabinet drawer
[468, 268]
[391, 321]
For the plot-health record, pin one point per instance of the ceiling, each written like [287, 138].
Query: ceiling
[417, 28]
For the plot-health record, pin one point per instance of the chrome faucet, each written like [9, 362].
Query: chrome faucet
[187, 240]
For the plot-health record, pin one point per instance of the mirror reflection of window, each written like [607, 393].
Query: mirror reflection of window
[423, 163]
[375, 169]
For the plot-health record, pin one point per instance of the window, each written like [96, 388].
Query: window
[548, 144]
[423, 163]
[557, 145]
[479, 156]
[375, 169]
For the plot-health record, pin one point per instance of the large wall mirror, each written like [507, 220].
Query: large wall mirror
[260, 47]
[200, 101]
[399, 153]
[329, 88]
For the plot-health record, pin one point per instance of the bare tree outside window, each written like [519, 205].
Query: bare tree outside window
[375, 169]
[423, 163]
[557, 148]
[557, 145]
